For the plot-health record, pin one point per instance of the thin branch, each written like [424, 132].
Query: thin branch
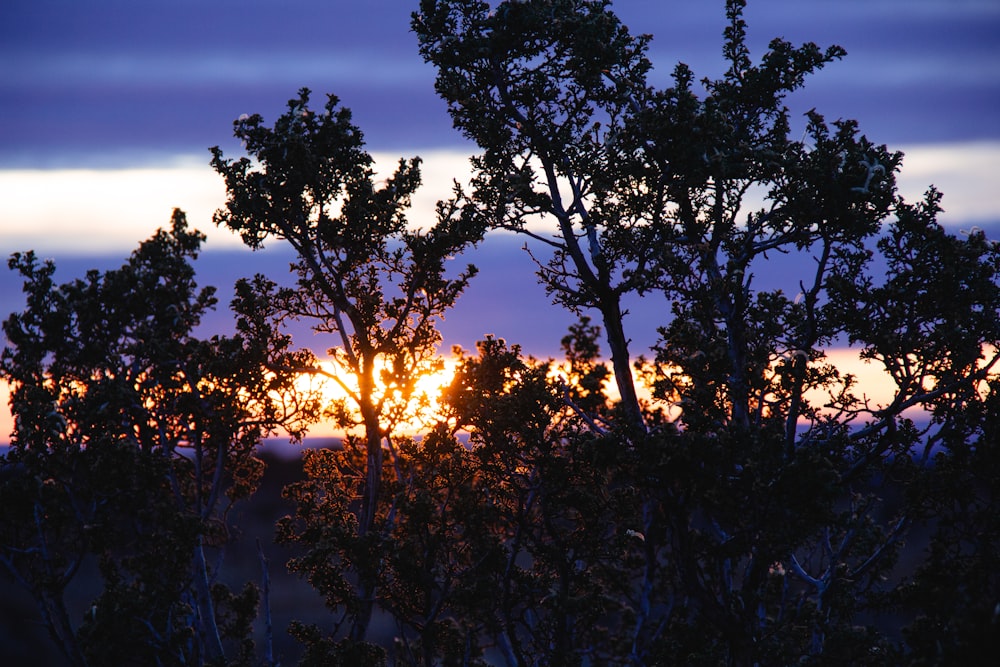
[265, 591]
[568, 400]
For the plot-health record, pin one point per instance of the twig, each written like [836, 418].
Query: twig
[265, 592]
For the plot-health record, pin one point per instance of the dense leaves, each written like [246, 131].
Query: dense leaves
[732, 497]
[775, 499]
[132, 439]
[373, 285]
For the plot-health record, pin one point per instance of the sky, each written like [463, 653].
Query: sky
[108, 108]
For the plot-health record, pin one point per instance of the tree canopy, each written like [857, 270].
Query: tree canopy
[730, 496]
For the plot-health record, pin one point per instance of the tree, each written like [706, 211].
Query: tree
[132, 439]
[755, 507]
[365, 278]
[771, 508]
[554, 509]
[538, 86]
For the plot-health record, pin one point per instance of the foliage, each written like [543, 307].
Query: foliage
[773, 502]
[753, 506]
[132, 439]
[365, 278]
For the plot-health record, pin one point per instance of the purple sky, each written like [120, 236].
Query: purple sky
[116, 81]
[123, 84]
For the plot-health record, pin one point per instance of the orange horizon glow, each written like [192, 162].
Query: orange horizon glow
[423, 404]
[872, 383]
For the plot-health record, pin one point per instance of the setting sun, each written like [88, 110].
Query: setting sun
[418, 410]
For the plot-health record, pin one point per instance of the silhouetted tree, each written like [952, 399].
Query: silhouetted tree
[376, 286]
[733, 498]
[773, 501]
[132, 439]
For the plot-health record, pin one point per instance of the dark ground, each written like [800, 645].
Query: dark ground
[24, 640]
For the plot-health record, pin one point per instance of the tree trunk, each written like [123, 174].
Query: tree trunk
[368, 574]
[621, 362]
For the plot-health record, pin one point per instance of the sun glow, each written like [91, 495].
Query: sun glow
[412, 412]
[407, 410]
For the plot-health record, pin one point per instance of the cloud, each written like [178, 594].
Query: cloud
[968, 175]
[83, 217]
[94, 82]
[100, 211]
[90, 211]
[85, 211]
[144, 70]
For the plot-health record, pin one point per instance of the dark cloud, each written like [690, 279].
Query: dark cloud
[504, 300]
[44, 128]
[110, 81]
[82, 81]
